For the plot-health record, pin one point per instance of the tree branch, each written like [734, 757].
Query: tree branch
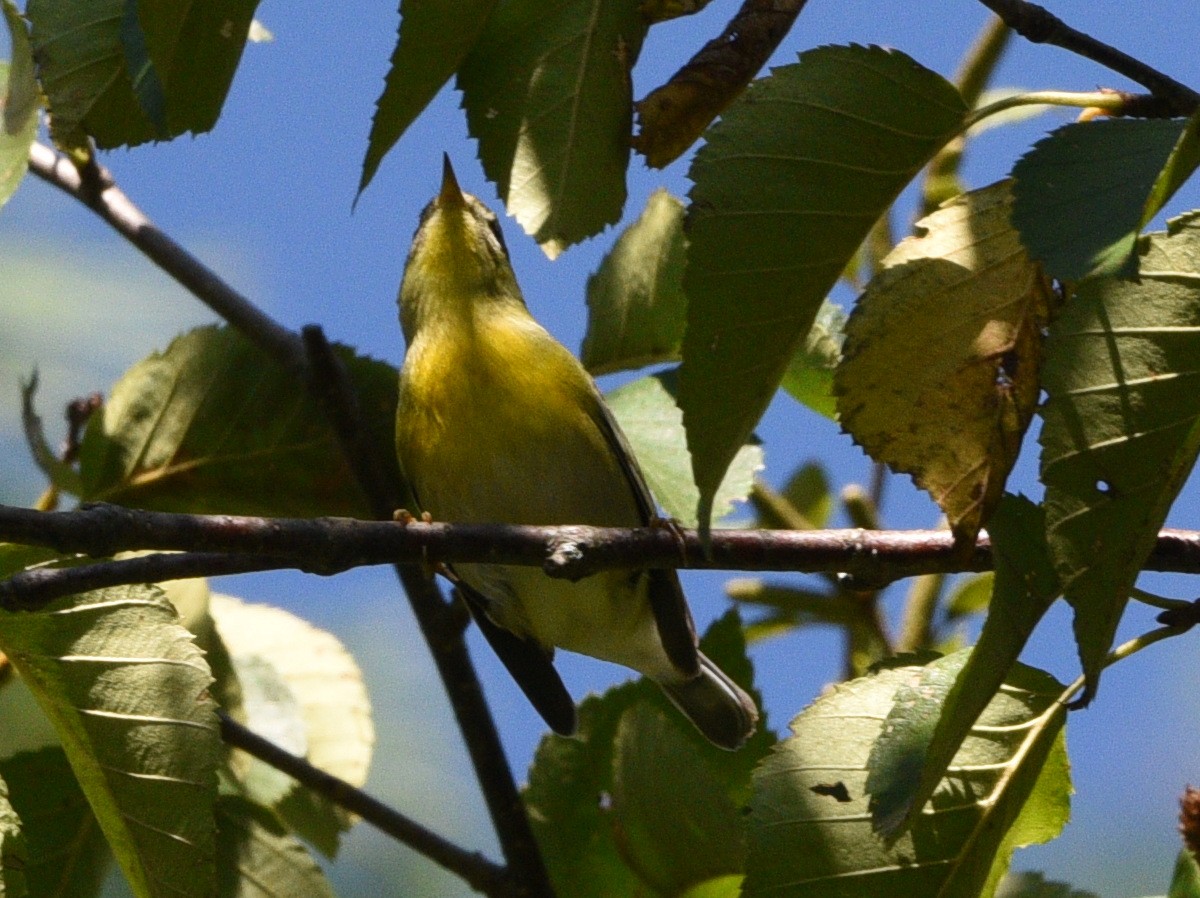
[325, 546]
[326, 380]
[480, 873]
[1040, 26]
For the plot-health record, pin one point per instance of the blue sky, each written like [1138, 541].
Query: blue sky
[266, 201]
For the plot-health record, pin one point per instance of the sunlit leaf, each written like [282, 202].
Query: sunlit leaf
[1122, 428]
[127, 691]
[1185, 882]
[635, 299]
[19, 103]
[788, 185]
[213, 425]
[1022, 590]
[1080, 194]
[652, 422]
[940, 374]
[14, 857]
[810, 832]
[302, 690]
[809, 376]
[67, 854]
[433, 40]
[548, 97]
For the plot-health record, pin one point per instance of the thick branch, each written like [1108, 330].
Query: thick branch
[480, 873]
[331, 545]
[1040, 26]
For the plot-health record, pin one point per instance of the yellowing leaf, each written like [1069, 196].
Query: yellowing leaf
[940, 370]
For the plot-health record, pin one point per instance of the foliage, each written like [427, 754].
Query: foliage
[1038, 295]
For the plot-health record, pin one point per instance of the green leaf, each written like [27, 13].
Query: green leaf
[1185, 882]
[652, 422]
[805, 503]
[435, 36]
[940, 375]
[583, 839]
[1081, 193]
[664, 793]
[256, 858]
[549, 98]
[128, 693]
[809, 376]
[1023, 588]
[1184, 158]
[128, 72]
[971, 595]
[1122, 428]
[60, 474]
[636, 307]
[67, 854]
[212, 425]
[302, 690]
[789, 184]
[810, 832]
[19, 103]
[799, 607]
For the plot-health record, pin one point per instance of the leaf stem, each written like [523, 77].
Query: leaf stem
[1106, 100]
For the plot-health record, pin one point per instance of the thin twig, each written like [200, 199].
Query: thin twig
[35, 588]
[480, 873]
[1040, 26]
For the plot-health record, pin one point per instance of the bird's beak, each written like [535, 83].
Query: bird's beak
[451, 194]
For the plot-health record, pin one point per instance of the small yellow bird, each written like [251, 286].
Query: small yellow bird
[499, 423]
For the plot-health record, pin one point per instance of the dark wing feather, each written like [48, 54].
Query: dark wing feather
[667, 602]
[528, 663]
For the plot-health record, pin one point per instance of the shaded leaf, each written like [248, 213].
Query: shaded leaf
[805, 503]
[673, 116]
[651, 420]
[60, 474]
[126, 73]
[1023, 588]
[581, 832]
[67, 854]
[809, 377]
[1122, 428]
[212, 425]
[434, 39]
[664, 792]
[1080, 194]
[19, 103]
[802, 606]
[304, 691]
[258, 859]
[127, 691]
[940, 374]
[548, 97]
[805, 841]
[636, 307]
[789, 183]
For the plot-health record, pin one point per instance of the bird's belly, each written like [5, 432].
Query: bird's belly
[605, 616]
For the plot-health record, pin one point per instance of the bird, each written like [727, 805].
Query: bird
[498, 422]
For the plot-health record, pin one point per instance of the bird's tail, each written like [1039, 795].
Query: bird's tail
[719, 708]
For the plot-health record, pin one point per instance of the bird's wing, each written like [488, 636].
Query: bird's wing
[528, 663]
[667, 602]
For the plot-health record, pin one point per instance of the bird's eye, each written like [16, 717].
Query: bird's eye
[494, 224]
